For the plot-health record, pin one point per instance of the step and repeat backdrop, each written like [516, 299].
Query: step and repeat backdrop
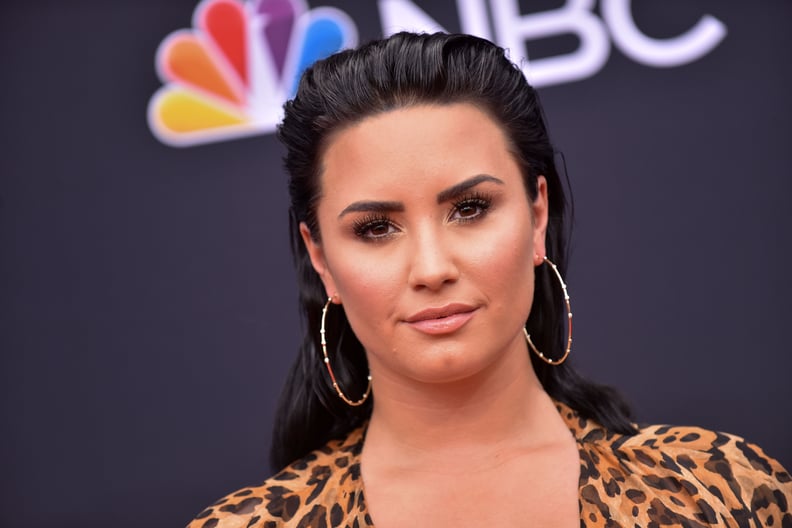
[147, 298]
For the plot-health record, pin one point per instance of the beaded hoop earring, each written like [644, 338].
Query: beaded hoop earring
[353, 403]
[569, 322]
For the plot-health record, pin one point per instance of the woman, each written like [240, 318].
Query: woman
[428, 231]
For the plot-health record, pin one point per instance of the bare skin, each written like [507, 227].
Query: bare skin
[462, 433]
[492, 458]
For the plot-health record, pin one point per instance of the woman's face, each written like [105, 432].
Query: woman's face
[429, 241]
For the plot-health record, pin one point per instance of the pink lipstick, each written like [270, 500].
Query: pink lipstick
[443, 320]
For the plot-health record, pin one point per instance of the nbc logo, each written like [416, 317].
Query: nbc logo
[229, 76]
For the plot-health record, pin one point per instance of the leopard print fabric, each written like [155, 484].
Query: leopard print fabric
[663, 476]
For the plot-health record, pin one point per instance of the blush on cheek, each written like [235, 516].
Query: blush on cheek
[505, 262]
[506, 254]
[369, 293]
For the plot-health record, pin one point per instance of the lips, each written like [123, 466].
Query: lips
[442, 320]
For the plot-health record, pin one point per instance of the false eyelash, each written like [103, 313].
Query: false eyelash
[481, 200]
[363, 224]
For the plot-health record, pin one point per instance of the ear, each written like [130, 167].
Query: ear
[316, 254]
[539, 210]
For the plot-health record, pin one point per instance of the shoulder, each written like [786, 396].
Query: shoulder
[324, 484]
[689, 475]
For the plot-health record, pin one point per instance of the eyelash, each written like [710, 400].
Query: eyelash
[363, 226]
[475, 199]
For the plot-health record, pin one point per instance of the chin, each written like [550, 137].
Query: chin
[448, 367]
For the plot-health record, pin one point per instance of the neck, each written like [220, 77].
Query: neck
[503, 408]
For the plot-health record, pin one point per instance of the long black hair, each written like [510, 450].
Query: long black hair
[403, 70]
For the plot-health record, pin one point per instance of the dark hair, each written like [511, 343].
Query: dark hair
[403, 70]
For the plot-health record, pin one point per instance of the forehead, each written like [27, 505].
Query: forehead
[416, 145]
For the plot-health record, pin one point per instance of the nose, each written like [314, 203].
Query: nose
[432, 262]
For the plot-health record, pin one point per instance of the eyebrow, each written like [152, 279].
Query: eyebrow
[373, 206]
[463, 186]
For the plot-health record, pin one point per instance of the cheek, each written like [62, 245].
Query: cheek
[504, 260]
[368, 284]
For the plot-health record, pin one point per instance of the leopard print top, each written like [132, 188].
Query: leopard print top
[663, 476]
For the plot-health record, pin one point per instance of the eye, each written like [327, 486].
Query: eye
[470, 208]
[374, 228]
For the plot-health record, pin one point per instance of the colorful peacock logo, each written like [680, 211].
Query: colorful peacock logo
[229, 76]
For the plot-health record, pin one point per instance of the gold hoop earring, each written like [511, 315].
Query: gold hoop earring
[569, 322]
[330, 369]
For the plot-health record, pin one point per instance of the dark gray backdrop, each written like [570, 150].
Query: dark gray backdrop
[147, 301]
